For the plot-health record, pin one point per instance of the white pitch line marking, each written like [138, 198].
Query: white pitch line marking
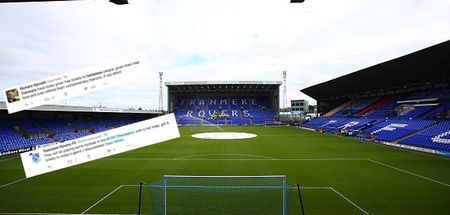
[348, 200]
[5, 185]
[95, 204]
[134, 185]
[284, 159]
[312, 188]
[206, 155]
[408, 172]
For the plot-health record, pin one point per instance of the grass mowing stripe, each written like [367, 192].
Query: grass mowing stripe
[60, 214]
[348, 200]
[7, 159]
[312, 188]
[39, 213]
[102, 199]
[310, 157]
[243, 159]
[408, 172]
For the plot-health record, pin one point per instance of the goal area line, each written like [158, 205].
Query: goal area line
[135, 185]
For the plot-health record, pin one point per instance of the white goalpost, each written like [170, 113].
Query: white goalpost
[181, 194]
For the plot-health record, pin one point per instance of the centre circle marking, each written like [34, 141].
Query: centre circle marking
[224, 135]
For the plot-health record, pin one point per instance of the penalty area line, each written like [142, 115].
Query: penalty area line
[337, 192]
[16, 181]
[208, 155]
[95, 204]
[348, 200]
[408, 172]
[134, 185]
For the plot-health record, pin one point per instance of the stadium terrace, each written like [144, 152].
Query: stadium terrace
[404, 102]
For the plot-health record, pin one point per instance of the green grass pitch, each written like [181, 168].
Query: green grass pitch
[340, 175]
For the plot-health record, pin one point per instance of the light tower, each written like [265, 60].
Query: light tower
[284, 91]
[161, 91]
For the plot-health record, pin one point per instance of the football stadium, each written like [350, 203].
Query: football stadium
[378, 141]
[378, 148]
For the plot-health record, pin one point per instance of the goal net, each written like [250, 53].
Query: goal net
[220, 195]
[272, 123]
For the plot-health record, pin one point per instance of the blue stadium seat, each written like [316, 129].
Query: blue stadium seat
[391, 130]
[437, 137]
[14, 133]
[240, 110]
[423, 124]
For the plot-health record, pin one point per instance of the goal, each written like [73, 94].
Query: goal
[177, 194]
[272, 123]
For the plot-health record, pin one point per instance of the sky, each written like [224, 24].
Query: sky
[205, 40]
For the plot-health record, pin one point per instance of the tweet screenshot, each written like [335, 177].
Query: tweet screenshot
[75, 83]
[51, 157]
